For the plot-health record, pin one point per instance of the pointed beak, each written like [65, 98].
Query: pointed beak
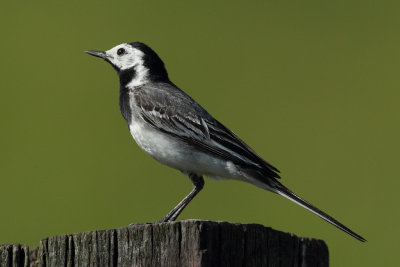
[100, 54]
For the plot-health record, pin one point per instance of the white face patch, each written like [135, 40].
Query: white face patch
[130, 58]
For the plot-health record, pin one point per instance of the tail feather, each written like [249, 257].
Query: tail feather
[283, 191]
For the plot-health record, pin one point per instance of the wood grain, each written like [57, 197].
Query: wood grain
[181, 243]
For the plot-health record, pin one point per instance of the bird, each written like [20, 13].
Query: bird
[174, 129]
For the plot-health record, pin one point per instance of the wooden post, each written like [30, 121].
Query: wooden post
[182, 243]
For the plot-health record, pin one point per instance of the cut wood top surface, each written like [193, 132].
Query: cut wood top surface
[181, 243]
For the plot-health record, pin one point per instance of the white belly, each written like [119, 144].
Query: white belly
[179, 155]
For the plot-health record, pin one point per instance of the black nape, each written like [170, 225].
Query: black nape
[152, 62]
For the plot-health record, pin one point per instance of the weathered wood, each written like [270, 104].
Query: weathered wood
[14, 255]
[182, 243]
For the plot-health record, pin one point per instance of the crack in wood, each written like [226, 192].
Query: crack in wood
[182, 243]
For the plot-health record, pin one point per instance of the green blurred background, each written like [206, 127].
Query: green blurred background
[319, 82]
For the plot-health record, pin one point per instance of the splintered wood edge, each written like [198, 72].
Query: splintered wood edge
[184, 243]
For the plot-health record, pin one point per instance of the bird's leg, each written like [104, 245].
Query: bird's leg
[198, 183]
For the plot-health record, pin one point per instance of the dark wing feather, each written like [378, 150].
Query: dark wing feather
[172, 111]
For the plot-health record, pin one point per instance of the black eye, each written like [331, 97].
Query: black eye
[120, 52]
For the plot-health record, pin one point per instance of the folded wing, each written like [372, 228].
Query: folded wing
[175, 113]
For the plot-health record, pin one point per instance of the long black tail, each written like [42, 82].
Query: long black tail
[282, 190]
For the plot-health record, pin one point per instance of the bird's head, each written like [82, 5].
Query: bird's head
[135, 63]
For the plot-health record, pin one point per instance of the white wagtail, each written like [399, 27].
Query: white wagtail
[175, 130]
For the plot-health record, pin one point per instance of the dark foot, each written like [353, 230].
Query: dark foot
[198, 184]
